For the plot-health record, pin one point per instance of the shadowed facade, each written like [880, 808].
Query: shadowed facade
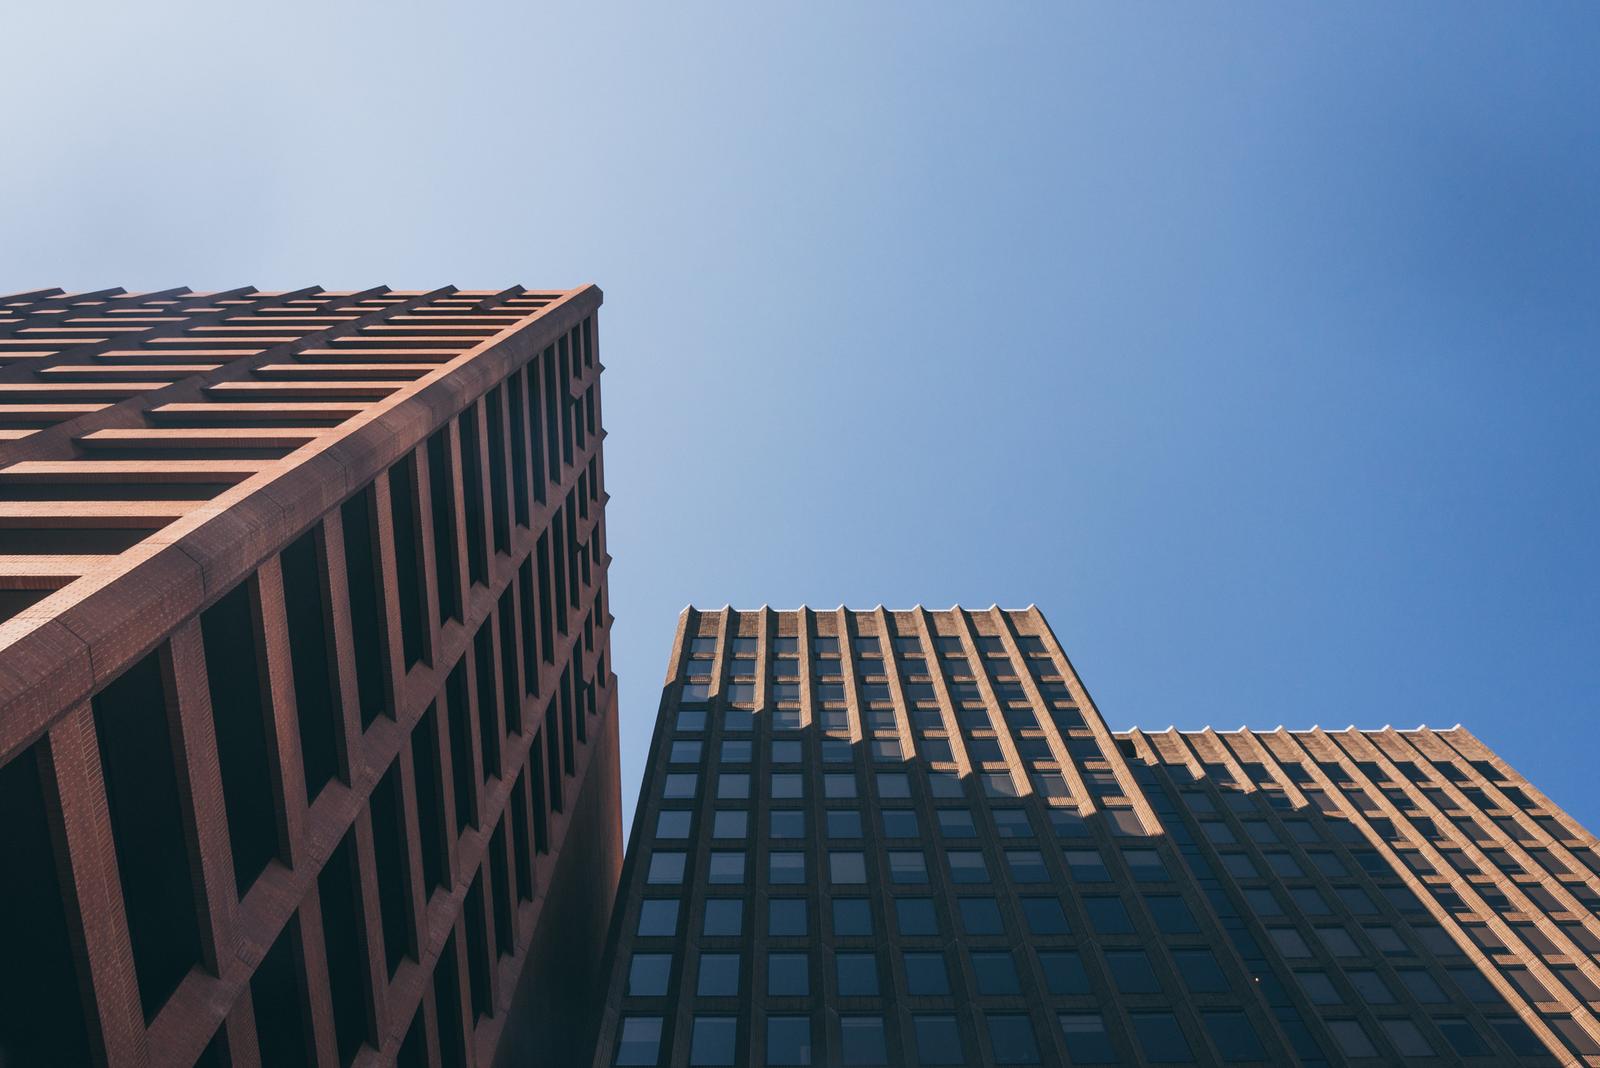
[908, 838]
[307, 722]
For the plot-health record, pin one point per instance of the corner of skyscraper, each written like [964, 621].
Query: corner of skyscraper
[308, 728]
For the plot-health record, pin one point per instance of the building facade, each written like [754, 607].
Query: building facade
[307, 724]
[908, 838]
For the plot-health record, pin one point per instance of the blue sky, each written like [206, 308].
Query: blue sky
[1256, 345]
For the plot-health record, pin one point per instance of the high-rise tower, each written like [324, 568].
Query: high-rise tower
[908, 838]
[307, 722]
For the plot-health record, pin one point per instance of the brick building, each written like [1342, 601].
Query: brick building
[908, 838]
[308, 744]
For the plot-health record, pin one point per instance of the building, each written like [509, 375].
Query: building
[307, 723]
[908, 838]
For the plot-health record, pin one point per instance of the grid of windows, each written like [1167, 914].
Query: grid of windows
[937, 825]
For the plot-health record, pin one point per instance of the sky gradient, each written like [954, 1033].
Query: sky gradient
[1257, 345]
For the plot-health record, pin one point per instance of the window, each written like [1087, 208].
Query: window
[908, 866]
[640, 1042]
[786, 752]
[893, 785]
[1012, 1036]
[1422, 986]
[713, 1041]
[844, 824]
[861, 1040]
[1338, 941]
[680, 786]
[967, 866]
[945, 784]
[1044, 916]
[1263, 902]
[1172, 916]
[1233, 1036]
[900, 823]
[786, 868]
[1161, 1038]
[1086, 1038]
[1108, 915]
[847, 868]
[1131, 971]
[1407, 1039]
[980, 916]
[788, 975]
[729, 823]
[786, 917]
[852, 916]
[938, 1040]
[672, 824]
[1200, 971]
[1319, 988]
[788, 1040]
[1146, 865]
[926, 974]
[1063, 972]
[1288, 941]
[1352, 1039]
[666, 869]
[1240, 866]
[837, 786]
[731, 786]
[727, 867]
[835, 751]
[736, 752]
[857, 974]
[691, 720]
[719, 975]
[996, 973]
[915, 916]
[998, 784]
[1027, 865]
[1086, 865]
[1309, 901]
[886, 750]
[1462, 1036]
[724, 917]
[658, 917]
[956, 823]
[685, 753]
[648, 974]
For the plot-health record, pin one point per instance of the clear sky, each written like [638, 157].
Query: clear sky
[1256, 344]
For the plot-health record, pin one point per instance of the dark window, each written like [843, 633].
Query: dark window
[1200, 971]
[861, 1040]
[1012, 1036]
[786, 917]
[1086, 1038]
[648, 974]
[1063, 972]
[239, 715]
[926, 974]
[442, 509]
[461, 771]
[1044, 915]
[938, 1040]
[724, 916]
[393, 867]
[915, 916]
[316, 691]
[1131, 971]
[426, 767]
[478, 977]
[658, 917]
[41, 1015]
[499, 510]
[712, 1042]
[147, 830]
[788, 975]
[408, 560]
[996, 973]
[852, 916]
[530, 654]
[340, 895]
[278, 996]
[857, 974]
[719, 975]
[472, 496]
[489, 733]
[980, 916]
[447, 1002]
[522, 840]
[1161, 1038]
[1233, 1036]
[366, 607]
[500, 885]
[510, 692]
[788, 1040]
[518, 442]
[1108, 915]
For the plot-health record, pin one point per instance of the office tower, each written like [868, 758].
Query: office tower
[908, 838]
[307, 725]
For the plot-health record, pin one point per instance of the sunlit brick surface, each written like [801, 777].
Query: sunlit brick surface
[908, 838]
[307, 723]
